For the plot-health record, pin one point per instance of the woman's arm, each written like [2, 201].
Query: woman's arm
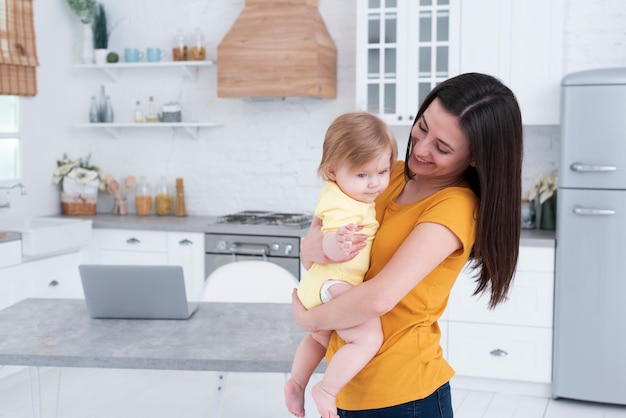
[312, 245]
[423, 249]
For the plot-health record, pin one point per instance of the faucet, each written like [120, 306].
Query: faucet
[8, 189]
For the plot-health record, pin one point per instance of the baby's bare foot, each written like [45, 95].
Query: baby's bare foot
[294, 398]
[325, 402]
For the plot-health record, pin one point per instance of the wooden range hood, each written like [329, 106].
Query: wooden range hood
[277, 48]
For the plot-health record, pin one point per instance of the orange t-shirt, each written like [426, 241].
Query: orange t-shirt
[410, 364]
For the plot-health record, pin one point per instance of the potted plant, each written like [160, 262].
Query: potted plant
[80, 181]
[544, 190]
[84, 10]
[100, 34]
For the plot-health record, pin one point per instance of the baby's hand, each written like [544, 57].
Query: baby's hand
[345, 237]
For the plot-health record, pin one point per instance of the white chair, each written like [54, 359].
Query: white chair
[246, 282]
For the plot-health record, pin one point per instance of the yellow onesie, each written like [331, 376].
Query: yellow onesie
[337, 209]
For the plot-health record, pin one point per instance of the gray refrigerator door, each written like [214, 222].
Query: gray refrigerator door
[590, 296]
[593, 135]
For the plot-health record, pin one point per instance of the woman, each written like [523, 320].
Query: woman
[456, 196]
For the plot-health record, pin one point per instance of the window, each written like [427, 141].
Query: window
[9, 138]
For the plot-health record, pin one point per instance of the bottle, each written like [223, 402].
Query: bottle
[143, 197]
[179, 50]
[152, 115]
[179, 209]
[197, 52]
[102, 104]
[138, 113]
[93, 111]
[162, 198]
[108, 111]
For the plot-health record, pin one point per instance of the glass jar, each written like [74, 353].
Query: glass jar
[143, 197]
[179, 49]
[163, 198]
[197, 52]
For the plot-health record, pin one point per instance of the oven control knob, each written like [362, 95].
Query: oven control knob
[288, 249]
[221, 245]
[275, 246]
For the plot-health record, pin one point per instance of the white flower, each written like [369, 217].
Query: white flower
[543, 188]
[79, 170]
[81, 175]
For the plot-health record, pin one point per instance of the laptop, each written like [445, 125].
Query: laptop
[135, 292]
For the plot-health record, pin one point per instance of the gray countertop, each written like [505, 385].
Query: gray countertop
[10, 236]
[242, 337]
[207, 224]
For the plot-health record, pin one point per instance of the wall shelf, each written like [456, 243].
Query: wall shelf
[113, 129]
[189, 68]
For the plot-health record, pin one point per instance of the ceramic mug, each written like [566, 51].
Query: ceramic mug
[154, 54]
[132, 55]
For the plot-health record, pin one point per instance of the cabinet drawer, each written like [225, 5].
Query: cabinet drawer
[133, 240]
[10, 253]
[500, 352]
[55, 277]
[530, 301]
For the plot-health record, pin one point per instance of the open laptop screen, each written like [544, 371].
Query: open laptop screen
[135, 292]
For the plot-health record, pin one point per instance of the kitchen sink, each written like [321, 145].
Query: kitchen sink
[44, 236]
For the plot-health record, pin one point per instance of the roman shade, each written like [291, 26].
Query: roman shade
[18, 53]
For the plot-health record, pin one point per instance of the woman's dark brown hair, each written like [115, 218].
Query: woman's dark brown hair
[490, 117]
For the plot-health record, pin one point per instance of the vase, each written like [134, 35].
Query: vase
[100, 56]
[87, 53]
[548, 213]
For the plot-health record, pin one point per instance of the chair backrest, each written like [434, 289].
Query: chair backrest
[249, 281]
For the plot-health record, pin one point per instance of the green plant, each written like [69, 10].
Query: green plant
[100, 28]
[82, 8]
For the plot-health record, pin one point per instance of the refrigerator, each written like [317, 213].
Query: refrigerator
[589, 360]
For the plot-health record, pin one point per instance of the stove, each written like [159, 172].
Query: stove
[279, 219]
[255, 235]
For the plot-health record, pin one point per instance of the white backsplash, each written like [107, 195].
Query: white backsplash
[266, 153]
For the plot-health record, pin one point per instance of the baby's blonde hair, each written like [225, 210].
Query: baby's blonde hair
[356, 139]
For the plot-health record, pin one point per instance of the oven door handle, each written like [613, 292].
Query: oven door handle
[250, 249]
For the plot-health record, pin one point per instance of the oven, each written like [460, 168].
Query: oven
[255, 235]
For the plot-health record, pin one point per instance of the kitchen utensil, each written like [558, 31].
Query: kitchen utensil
[129, 183]
[114, 187]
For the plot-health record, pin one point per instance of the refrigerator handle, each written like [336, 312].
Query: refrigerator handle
[577, 210]
[580, 167]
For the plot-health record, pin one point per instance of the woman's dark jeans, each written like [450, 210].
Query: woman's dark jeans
[437, 405]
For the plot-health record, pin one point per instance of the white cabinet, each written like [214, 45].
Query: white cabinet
[140, 247]
[514, 341]
[53, 277]
[521, 43]
[186, 249]
[403, 49]
[10, 285]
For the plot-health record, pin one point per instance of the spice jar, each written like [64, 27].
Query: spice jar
[197, 52]
[179, 50]
[179, 209]
[143, 197]
[162, 198]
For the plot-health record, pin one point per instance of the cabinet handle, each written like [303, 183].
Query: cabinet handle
[53, 283]
[185, 242]
[133, 241]
[499, 353]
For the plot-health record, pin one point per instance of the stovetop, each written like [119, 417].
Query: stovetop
[279, 219]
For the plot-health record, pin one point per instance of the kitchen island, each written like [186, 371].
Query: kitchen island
[225, 337]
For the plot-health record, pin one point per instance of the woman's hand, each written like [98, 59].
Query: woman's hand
[299, 312]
